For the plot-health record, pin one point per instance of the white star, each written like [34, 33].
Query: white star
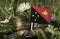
[35, 12]
[37, 15]
[34, 19]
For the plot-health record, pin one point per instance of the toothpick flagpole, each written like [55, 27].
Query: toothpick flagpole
[31, 25]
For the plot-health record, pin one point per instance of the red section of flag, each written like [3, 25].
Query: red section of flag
[44, 12]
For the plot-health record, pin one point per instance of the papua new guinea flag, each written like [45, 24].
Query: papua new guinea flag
[40, 15]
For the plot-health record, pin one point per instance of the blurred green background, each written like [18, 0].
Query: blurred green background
[9, 7]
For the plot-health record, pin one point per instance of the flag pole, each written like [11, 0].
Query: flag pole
[31, 25]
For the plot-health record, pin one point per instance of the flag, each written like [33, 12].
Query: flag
[40, 15]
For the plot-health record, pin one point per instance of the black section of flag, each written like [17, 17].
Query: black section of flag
[36, 17]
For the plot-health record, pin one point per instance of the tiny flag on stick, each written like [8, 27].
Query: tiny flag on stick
[40, 15]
